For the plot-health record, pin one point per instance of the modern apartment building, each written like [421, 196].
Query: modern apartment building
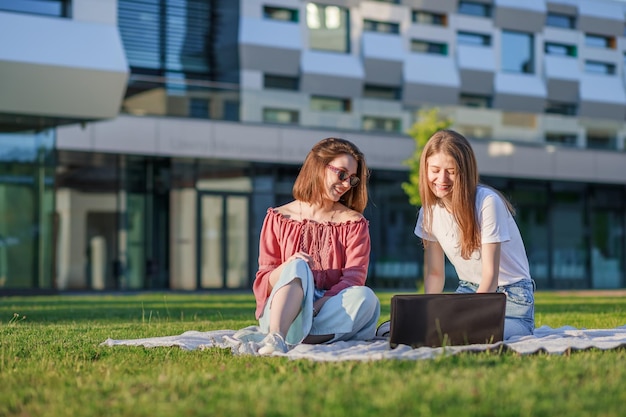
[142, 141]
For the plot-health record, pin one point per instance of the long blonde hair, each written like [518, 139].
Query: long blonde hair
[309, 185]
[463, 196]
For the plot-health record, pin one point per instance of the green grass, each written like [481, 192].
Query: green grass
[51, 364]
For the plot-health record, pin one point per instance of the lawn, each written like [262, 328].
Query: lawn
[51, 364]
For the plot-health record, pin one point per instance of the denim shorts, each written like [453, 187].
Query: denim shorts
[520, 306]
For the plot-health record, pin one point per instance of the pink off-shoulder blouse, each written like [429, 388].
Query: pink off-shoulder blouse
[341, 252]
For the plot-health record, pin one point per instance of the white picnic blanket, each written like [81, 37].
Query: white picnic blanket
[546, 339]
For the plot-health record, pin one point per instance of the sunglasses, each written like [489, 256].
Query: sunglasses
[343, 176]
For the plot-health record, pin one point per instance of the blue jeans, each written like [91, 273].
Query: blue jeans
[520, 306]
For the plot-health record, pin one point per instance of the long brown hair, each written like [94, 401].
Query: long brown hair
[463, 198]
[309, 185]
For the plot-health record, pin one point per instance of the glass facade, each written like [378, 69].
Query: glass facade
[573, 232]
[73, 220]
[28, 223]
[607, 237]
[136, 223]
[121, 222]
[177, 66]
[167, 35]
[567, 231]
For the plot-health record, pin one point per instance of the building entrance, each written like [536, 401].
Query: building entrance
[223, 243]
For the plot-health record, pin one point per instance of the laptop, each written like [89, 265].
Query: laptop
[448, 319]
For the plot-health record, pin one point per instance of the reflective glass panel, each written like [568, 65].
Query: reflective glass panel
[57, 8]
[560, 20]
[27, 216]
[569, 250]
[328, 28]
[517, 52]
[211, 241]
[607, 250]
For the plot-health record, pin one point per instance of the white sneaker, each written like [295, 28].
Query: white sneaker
[383, 329]
[273, 342]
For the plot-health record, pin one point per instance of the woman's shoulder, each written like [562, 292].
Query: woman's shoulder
[484, 191]
[487, 196]
[288, 211]
[291, 212]
[347, 215]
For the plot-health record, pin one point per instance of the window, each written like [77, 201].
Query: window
[427, 47]
[566, 109]
[559, 49]
[596, 67]
[56, 8]
[568, 139]
[517, 119]
[475, 100]
[280, 13]
[381, 92]
[469, 38]
[475, 132]
[382, 27]
[320, 103]
[156, 39]
[429, 18]
[596, 140]
[474, 9]
[231, 110]
[383, 124]
[199, 108]
[517, 52]
[328, 28]
[598, 41]
[280, 82]
[284, 116]
[560, 20]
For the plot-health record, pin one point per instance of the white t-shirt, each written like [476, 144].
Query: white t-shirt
[496, 225]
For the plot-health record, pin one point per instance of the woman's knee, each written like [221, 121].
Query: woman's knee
[364, 295]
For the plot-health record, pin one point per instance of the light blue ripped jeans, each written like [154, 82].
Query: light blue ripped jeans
[350, 315]
[520, 306]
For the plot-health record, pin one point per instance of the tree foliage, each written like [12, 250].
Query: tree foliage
[428, 122]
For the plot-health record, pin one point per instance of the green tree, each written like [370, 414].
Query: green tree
[428, 122]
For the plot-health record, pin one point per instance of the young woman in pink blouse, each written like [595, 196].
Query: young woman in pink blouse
[314, 255]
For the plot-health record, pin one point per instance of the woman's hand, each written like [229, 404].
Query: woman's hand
[300, 255]
[275, 274]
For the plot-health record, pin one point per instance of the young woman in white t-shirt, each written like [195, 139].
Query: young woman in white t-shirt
[473, 226]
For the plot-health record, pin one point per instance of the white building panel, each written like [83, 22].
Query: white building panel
[383, 46]
[520, 84]
[60, 67]
[602, 88]
[562, 67]
[273, 33]
[479, 58]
